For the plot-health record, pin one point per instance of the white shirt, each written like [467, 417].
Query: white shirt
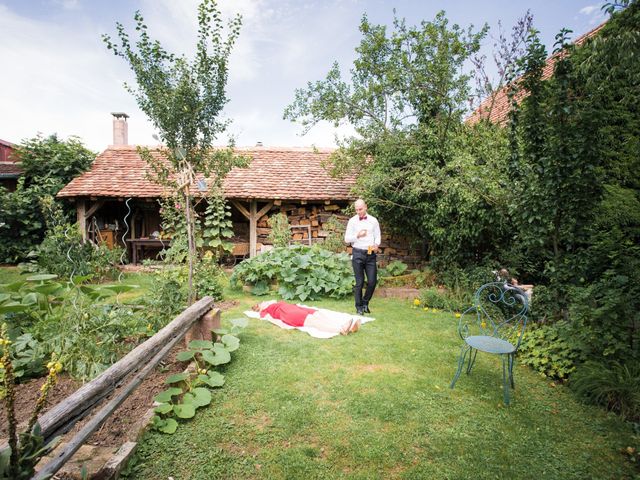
[370, 224]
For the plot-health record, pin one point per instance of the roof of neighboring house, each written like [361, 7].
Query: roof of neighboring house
[273, 173]
[495, 108]
[9, 167]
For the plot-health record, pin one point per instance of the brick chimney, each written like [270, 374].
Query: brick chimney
[120, 128]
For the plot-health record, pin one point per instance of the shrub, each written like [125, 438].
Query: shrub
[209, 278]
[301, 271]
[615, 386]
[280, 234]
[552, 349]
[334, 241]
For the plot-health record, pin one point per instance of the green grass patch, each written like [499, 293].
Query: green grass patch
[377, 405]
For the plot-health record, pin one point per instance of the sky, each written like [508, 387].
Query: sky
[57, 76]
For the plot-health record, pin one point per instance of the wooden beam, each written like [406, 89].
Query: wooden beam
[241, 209]
[93, 209]
[253, 223]
[264, 209]
[81, 207]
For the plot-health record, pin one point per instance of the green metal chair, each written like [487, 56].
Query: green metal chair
[493, 324]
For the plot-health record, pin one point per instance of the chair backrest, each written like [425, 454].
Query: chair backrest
[499, 310]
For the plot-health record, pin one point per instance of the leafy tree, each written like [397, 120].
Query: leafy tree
[48, 164]
[576, 147]
[184, 99]
[422, 170]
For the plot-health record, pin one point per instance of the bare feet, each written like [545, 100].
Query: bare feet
[355, 326]
[346, 328]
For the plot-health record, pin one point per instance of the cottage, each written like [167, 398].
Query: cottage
[117, 203]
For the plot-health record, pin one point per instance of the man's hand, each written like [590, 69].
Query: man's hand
[362, 233]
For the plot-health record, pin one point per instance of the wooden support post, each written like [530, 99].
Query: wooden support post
[81, 207]
[253, 222]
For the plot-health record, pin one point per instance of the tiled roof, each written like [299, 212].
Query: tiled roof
[496, 107]
[273, 173]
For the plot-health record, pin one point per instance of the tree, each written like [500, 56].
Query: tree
[48, 164]
[422, 171]
[184, 99]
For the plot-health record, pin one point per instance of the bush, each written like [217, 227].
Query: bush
[63, 253]
[552, 349]
[280, 234]
[301, 272]
[614, 386]
[209, 278]
[334, 241]
[445, 299]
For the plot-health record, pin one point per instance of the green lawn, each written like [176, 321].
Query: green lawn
[377, 405]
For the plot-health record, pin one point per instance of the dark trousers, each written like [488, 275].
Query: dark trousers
[364, 264]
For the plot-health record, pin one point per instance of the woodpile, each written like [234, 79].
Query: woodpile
[309, 219]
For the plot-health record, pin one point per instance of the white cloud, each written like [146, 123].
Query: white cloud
[68, 4]
[595, 12]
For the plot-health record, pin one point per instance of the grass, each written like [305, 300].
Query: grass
[377, 405]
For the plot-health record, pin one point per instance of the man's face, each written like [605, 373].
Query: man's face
[361, 208]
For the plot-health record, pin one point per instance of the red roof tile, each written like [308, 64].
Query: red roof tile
[273, 173]
[496, 107]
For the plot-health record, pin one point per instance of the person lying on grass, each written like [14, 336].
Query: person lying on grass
[297, 316]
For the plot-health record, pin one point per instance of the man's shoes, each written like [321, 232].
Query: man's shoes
[365, 309]
[359, 311]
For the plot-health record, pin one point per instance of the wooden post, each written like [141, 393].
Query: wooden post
[81, 208]
[253, 222]
[201, 330]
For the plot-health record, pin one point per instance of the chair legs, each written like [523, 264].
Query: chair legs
[463, 354]
[507, 369]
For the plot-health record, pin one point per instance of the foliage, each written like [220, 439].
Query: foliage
[48, 165]
[443, 299]
[210, 278]
[301, 272]
[25, 449]
[395, 268]
[554, 350]
[70, 320]
[613, 386]
[280, 235]
[191, 389]
[167, 297]
[334, 241]
[63, 253]
[425, 173]
[184, 100]
[217, 226]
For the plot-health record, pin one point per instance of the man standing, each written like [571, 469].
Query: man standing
[363, 233]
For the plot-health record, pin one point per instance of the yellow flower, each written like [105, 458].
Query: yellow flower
[483, 324]
[458, 315]
[58, 367]
[416, 302]
[148, 326]
[1, 365]
[202, 371]
[426, 309]
[50, 365]
[434, 310]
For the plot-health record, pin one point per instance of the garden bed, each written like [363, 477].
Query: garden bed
[124, 425]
